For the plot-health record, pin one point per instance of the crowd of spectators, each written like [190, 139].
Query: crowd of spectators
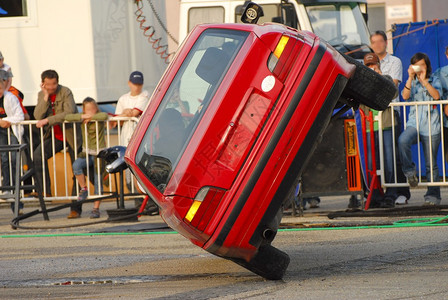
[423, 122]
[421, 84]
[56, 104]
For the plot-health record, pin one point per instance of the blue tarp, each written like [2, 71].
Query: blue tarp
[429, 37]
[431, 40]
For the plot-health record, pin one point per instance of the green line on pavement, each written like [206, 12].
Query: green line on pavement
[418, 222]
[358, 227]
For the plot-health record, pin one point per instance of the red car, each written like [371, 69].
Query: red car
[230, 127]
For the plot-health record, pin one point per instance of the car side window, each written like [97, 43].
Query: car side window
[186, 100]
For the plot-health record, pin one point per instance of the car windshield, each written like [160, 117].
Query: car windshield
[339, 24]
[185, 102]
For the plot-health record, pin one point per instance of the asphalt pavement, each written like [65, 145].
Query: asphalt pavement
[330, 258]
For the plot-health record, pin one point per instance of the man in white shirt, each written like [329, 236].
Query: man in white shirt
[392, 66]
[10, 114]
[11, 108]
[131, 104]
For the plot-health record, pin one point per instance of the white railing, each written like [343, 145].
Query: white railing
[430, 105]
[62, 185]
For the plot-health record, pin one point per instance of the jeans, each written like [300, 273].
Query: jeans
[445, 142]
[81, 163]
[389, 167]
[7, 180]
[5, 157]
[405, 141]
[37, 159]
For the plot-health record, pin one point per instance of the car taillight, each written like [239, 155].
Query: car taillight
[281, 46]
[281, 60]
[204, 206]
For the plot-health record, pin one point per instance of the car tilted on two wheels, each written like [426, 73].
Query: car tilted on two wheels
[230, 127]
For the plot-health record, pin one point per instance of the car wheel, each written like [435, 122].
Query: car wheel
[368, 87]
[269, 262]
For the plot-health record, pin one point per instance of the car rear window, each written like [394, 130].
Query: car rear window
[185, 102]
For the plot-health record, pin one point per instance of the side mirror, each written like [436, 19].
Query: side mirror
[363, 8]
[114, 158]
[252, 13]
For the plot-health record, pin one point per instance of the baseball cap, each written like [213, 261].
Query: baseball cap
[1, 55]
[371, 59]
[136, 77]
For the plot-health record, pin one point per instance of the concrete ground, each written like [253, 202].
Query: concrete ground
[317, 217]
[143, 260]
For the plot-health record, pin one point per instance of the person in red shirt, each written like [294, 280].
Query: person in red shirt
[54, 101]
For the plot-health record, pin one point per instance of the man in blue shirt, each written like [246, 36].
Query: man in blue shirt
[442, 73]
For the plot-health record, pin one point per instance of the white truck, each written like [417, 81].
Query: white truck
[342, 23]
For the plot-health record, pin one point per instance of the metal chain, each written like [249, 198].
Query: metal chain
[161, 23]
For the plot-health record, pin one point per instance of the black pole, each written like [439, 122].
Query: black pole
[121, 189]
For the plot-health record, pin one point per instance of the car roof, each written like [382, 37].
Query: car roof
[259, 30]
[329, 1]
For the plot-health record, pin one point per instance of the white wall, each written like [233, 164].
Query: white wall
[92, 44]
[172, 17]
[396, 11]
[120, 46]
[56, 39]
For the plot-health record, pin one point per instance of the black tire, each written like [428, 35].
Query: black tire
[269, 262]
[368, 87]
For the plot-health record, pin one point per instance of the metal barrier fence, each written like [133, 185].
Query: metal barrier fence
[404, 108]
[64, 186]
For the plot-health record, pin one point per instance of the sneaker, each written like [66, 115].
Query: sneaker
[401, 200]
[74, 215]
[412, 180]
[5, 195]
[431, 202]
[83, 193]
[95, 214]
[354, 202]
[314, 202]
